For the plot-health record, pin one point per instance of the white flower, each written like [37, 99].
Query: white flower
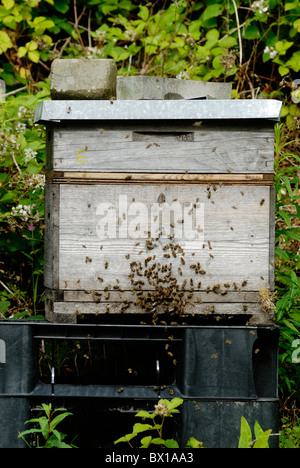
[261, 6]
[22, 112]
[22, 211]
[183, 75]
[271, 51]
[38, 180]
[20, 127]
[29, 155]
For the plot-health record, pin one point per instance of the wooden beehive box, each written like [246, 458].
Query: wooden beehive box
[159, 209]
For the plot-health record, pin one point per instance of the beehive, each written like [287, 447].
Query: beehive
[159, 209]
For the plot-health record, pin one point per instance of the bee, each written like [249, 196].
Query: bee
[262, 201]
[148, 146]
[78, 281]
[66, 284]
[84, 246]
[107, 309]
[242, 193]
[101, 247]
[182, 261]
[106, 265]
[121, 390]
[244, 283]
[171, 391]
[88, 260]
[157, 145]
[234, 207]
[214, 356]
[228, 342]
[128, 177]
[127, 256]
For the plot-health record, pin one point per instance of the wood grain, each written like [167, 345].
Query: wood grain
[166, 148]
[232, 246]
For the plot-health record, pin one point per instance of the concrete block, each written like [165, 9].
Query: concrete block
[152, 87]
[83, 79]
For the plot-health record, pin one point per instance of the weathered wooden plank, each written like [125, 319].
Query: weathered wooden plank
[102, 177]
[207, 148]
[127, 296]
[70, 311]
[51, 255]
[102, 232]
[272, 239]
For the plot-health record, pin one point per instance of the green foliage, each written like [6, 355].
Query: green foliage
[261, 439]
[164, 409]
[290, 436]
[251, 43]
[22, 148]
[47, 424]
[287, 165]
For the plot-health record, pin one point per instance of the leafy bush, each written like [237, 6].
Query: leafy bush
[22, 147]
[287, 166]
[252, 44]
[47, 430]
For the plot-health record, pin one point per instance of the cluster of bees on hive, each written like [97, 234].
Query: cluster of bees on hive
[165, 294]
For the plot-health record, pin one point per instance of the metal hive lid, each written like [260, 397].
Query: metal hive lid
[57, 111]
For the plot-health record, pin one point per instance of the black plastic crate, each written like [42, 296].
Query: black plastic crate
[211, 367]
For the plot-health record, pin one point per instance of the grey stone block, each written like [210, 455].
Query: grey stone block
[83, 79]
[152, 87]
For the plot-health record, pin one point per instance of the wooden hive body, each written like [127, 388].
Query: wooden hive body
[158, 216]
